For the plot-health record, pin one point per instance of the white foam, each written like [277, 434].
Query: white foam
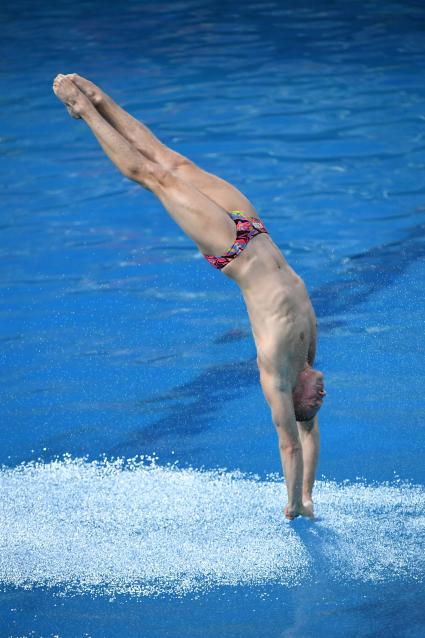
[138, 528]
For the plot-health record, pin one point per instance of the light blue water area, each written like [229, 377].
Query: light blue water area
[120, 342]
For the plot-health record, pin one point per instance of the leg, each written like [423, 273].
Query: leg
[206, 223]
[217, 189]
[310, 441]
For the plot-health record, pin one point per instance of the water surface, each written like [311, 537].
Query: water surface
[119, 340]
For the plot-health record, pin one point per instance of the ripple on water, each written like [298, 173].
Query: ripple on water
[134, 527]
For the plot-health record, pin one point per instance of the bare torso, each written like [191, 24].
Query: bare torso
[282, 317]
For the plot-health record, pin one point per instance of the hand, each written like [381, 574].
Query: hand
[306, 509]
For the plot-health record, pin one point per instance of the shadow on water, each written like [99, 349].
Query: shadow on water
[190, 407]
[317, 537]
[390, 610]
[367, 273]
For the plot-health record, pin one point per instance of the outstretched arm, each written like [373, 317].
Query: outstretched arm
[290, 449]
[310, 441]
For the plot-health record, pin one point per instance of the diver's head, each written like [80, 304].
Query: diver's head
[308, 394]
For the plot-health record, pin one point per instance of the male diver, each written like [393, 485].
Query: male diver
[216, 216]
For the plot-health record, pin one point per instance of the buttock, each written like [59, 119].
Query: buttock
[247, 227]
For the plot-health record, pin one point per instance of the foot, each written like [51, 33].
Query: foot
[74, 100]
[94, 94]
[306, 509]
[308, 504]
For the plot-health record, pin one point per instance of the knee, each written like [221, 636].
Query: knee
[149, 175]
[178, 162]
[184, 168]
[158, 175]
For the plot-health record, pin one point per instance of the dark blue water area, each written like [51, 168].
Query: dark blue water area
[119, 341]
[309, 612]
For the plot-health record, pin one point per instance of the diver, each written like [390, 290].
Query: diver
[229, 233]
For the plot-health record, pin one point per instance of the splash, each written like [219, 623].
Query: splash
[138, 528]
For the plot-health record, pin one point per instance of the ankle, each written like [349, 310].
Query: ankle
[98, 98]
[82, 106]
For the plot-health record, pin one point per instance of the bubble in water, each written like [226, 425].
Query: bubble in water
[135, 527]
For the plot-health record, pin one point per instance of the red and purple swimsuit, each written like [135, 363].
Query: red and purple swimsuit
[246, 228]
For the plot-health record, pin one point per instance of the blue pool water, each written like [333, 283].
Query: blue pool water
[140, 487]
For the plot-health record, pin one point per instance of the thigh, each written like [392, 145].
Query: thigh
[219, 190]
[202, 219]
